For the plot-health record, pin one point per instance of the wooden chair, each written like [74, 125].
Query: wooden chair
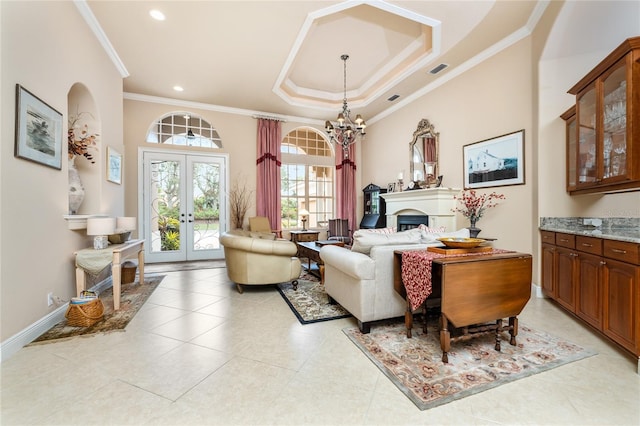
[339, 231]
[261, 224]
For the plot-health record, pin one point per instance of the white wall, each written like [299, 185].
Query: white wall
[47, 48]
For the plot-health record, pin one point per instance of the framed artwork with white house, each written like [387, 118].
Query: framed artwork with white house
[497, 161]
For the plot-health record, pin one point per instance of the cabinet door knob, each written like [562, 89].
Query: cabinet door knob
[602, 262]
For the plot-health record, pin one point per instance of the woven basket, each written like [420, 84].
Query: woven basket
[128, 272]
[86, 314]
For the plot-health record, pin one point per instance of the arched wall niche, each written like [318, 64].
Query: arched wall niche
[82, 109]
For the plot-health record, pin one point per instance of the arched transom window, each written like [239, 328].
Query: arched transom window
[184, 129]
[306, 178]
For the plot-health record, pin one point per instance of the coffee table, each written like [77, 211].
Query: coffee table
[311, 250]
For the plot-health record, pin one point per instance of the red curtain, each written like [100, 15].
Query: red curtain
[268, 176]
[346, 185]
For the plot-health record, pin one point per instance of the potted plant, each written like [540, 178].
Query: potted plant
[474, 206]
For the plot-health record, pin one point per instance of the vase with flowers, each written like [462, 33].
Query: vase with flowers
[79, 143]
[474, 206]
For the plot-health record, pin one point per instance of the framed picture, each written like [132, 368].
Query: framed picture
[391, 187]
[114, 166]
[494, 162]
[38, 130]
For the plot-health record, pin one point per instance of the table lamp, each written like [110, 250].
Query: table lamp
[304, 214]
[124, 226]
[101, 228]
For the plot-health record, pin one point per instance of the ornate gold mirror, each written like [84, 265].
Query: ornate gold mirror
[424, 154]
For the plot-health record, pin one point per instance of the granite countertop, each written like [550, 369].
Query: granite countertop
[622, 234]
[623, 229]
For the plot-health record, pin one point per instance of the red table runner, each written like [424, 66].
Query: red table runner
[416, 272]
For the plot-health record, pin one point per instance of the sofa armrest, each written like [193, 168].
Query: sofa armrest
[357, 265]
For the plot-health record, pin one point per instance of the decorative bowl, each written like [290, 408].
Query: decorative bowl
[461, 242]
[120, 238]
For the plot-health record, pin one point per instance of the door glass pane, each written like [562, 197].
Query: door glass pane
[204, 214]
[571, 137]
[587, 137]
[615, 123]
[165, 206]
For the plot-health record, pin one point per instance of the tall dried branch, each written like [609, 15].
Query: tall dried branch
[239, 202]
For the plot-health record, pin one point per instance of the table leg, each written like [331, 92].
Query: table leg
[321, 268]
[498, 330]
[408, 319]
[81, 282]
[513, 330]
[116, 277]
[141, 264]
[445, 338]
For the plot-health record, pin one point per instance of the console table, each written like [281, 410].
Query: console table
[475, 290]
[115, 255]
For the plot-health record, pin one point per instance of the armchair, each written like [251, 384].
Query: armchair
[261, 224]
[339, 231]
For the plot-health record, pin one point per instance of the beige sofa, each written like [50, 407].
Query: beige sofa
[361, 279]
[258, 258]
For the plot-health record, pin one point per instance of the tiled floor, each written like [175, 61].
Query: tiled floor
[200, 353]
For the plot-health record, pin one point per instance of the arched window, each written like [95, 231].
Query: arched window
[306, 178]
[184, 129]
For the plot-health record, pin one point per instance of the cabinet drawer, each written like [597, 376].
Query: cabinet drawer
[623, 251]
[566, 240]
[589, 245]
[548, 237]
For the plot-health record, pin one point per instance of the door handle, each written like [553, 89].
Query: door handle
[190, 217]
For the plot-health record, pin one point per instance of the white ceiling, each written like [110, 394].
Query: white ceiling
[283, 57]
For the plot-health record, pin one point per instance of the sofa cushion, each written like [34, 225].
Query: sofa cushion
[427, 237]
[364, 240]
[432, 230]
[382, 230]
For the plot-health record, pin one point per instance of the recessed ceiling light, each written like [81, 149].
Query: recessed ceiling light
[157, 15]
[178, 88]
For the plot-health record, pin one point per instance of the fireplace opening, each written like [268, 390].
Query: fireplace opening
[410, 221]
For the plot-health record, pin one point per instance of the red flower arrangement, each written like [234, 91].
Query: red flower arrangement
[474, 204]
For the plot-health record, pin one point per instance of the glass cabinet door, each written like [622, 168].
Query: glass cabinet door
[572, 153]
[614, 126]
[587, 136]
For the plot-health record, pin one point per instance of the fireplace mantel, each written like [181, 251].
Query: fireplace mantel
[437, 203]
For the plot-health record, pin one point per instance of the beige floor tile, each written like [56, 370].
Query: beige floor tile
[200, 353]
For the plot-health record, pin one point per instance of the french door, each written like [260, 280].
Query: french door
[184, 206]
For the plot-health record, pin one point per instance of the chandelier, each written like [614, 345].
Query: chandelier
[345, 131]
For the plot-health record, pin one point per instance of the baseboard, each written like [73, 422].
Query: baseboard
[16, 342]
[538, 291]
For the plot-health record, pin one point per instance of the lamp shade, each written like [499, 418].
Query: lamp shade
[124, 224]
[101, 225]
[304, 212]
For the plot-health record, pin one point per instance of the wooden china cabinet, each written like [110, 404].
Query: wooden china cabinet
[603, 128]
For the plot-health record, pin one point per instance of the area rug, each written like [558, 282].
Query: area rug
[310, 303]
[132, 297]
[415, 365]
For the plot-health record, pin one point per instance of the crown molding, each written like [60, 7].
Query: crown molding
[93, 24]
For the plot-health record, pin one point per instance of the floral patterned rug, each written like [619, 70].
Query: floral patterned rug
[132, 297]
[310, 303]
[415, 365]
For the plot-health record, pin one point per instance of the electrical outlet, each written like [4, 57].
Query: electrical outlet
[50, 299]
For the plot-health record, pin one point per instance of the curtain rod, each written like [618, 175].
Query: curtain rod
[269, 117]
